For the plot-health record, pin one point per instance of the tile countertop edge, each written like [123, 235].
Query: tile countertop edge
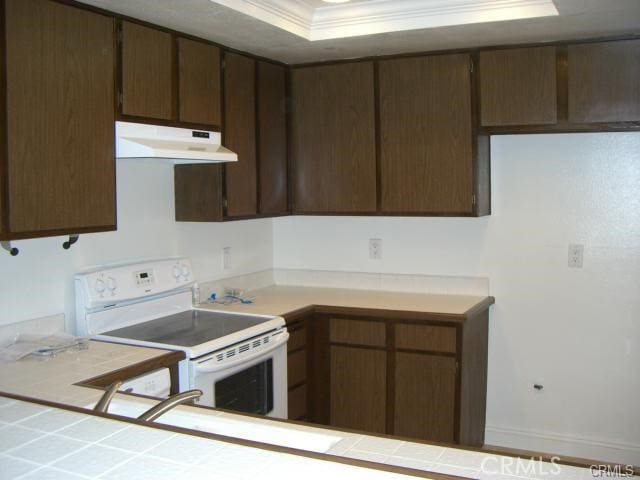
[393, 469]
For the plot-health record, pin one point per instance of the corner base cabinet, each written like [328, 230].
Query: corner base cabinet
[413, 375]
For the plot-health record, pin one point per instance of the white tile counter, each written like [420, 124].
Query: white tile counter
[53, 379]
[38, 442]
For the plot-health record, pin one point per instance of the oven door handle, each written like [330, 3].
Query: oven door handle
[202, 368]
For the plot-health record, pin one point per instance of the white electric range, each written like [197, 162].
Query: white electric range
[238, 361]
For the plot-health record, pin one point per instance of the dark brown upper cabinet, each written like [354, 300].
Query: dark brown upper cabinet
[199, 82]
[255, 127]
[604, 82]
[148, 87]
[431, 160]
[239, 134]
[198, 192]
[272, 138]
[59, 171]
[333, 139]
[518, 87]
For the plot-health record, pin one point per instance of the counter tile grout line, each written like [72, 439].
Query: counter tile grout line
[46, 464]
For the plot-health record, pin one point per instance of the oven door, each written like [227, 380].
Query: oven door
[250, 382]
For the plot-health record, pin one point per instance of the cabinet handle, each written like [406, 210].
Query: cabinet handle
[13, 251]
[72, 239]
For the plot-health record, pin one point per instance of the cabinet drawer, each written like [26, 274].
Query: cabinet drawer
[426, 337]
[359, 332]
[297, 403]
[296, 367]
[297, 339]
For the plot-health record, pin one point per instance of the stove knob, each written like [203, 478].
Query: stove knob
[177, 271]
[111, 285]
[185, 272]
[99, 286]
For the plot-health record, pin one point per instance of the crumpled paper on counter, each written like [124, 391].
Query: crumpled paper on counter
[43, 346]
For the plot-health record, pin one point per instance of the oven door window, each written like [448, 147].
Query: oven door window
[250, 390]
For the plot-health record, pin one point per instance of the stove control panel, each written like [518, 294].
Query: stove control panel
[144, 277]
[124, 283]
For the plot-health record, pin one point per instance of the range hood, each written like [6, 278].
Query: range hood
[179, 145]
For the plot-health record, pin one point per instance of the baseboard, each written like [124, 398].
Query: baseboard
[569, 445]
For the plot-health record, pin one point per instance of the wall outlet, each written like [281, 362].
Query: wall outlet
[375, 248]
[226, 258]
[576, 252]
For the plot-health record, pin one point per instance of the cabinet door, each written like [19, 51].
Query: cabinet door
[425, 135]
[240, 134]
[147, 72]
[358, 388]
[518, 87]
[198, 193]
[272, 140]
[603, 82]
[425, 389]
[333, 139]
[60, 118]
[199, 74]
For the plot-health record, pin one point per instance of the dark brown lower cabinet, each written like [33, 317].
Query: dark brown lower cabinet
[255, 128]
[423, 377]
[297, 360]
[358, 388]
[425, 396]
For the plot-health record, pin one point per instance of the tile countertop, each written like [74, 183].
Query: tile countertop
[41, 442]
[54, 379]
[282, 300]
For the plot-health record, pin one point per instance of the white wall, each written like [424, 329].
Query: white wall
[39, 281]
[576, 331]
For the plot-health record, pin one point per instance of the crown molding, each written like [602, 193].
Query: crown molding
[291, 15]
[380, 16]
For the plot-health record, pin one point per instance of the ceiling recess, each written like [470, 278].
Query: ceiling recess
[315, 20]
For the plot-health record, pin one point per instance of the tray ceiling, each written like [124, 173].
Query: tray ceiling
[212, 21]
[318, 20]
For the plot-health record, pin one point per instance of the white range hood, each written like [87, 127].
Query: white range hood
[179, 145]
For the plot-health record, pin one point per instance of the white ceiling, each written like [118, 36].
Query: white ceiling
[206, 19]
[315, 21]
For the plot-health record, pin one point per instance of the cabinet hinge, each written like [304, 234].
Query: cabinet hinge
[119, 36]
[473, 199]
[120, 99]
[225, 203]
[471, 65]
